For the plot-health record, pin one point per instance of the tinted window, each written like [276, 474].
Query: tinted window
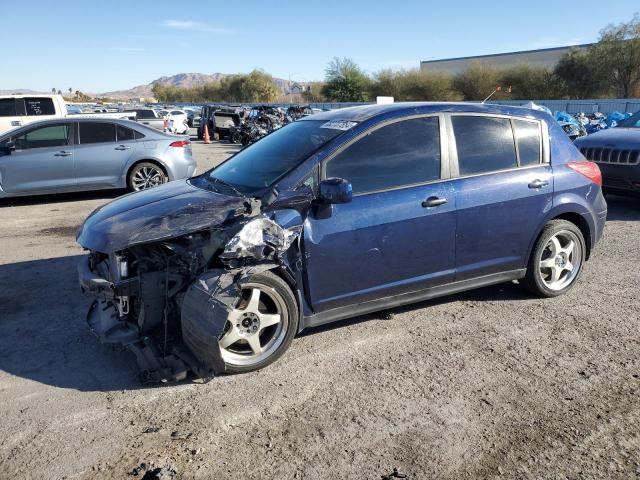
[39, 106]
[97, 132]
[485, 144]
[124, 133]
[264, 162]
[176, 112]
[402, 153]
[7, 107]
[528, 141]
[51, 136]
[145, 114]
[138, 135]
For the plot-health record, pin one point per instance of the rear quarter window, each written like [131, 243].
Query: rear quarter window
[528, 140]
[7, 107]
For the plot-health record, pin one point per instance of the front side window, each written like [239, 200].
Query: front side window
[145, 114]
[97, 132]
[51, 136]
[402, 153]
[39, 106]
[528, 140]
[485, 144]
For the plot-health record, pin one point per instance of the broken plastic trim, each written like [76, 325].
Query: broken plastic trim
[260, 239]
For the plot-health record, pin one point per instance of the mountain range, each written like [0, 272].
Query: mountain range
[182, 80]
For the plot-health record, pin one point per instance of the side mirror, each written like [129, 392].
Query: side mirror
[335, 190]
[9, 148]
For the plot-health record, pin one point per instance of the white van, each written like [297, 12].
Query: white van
[19, 110]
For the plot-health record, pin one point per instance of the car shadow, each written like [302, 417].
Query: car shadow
[509, 291]
[61, 198]
[623, 208]
[43, 334]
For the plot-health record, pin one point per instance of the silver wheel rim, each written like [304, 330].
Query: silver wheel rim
[256, 328]
[147, 177]
[560, 260]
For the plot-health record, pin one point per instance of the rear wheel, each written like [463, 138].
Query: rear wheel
[146, 175]
[556, 260]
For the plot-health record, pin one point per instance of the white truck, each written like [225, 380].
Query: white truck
[19, 110]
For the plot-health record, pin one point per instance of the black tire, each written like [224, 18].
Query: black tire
[140, 166]
[534, 280]
[198, 335]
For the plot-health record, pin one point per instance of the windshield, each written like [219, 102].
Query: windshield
[260, 165]
[632, 122]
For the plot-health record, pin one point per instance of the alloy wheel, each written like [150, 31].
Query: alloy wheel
[256, 327]
[147, 176]
[561, 260]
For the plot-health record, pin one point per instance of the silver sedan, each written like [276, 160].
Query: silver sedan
[67, 155]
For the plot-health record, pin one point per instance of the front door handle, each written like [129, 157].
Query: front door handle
[122, 147]
[537, 183]
[63, 153]
[434, 202]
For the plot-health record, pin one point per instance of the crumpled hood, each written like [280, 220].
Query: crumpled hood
[623, 138]
[168, 211]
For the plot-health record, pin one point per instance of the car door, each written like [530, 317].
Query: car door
[102, 150]
[398, 232]
[503, 189]
[42, 161]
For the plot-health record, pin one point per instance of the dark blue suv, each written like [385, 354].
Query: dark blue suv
[338, 214]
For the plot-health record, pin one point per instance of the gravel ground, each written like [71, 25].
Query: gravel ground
[486, 384]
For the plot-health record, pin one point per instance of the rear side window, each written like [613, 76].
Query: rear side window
[176, 112]
[39, 106]
[123, 133]
[51, 136]
[97, 132]
[145, 114]
[528, 141]
[485, 144]
[138, 135]
[399, 154]
[7, 107]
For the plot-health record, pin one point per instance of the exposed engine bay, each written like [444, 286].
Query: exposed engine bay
[162, 297]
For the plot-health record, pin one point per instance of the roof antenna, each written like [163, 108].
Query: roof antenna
[497, 89]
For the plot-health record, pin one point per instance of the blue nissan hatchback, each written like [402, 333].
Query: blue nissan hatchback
[333, 216]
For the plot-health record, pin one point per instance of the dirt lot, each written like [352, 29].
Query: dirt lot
[491, 383]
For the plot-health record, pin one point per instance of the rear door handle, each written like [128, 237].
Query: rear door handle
[122, 147]
[434, 202]
[537, 183]
[63, 153]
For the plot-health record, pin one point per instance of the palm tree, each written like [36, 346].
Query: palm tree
[70, 90]
[53, 90]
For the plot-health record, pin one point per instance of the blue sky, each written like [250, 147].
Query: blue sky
[96, 46]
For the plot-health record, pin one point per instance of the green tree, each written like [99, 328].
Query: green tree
[345, 81]
[477, 82]
[577, 71]
[617, 54]
[257, 86]
[530, 83]
[313, 92]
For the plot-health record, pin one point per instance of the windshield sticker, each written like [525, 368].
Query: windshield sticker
[339, 124]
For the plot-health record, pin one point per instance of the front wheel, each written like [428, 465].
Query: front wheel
[556, 260]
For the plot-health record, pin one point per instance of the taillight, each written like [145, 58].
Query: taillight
[180, 143]
[588, 169]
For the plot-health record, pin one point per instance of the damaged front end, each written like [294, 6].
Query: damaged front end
[166, 299]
